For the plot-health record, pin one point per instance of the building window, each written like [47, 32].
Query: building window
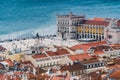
[96, 65]
[54, 63]
[92, 66]
[101, 64]
[50, 64]
[57, 62]
[44, 64]
[47, 64]
[89, 66]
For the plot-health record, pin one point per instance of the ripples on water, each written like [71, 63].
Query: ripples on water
[30, 15]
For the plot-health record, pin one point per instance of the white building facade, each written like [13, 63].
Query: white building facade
[112, 32]
[66, 25]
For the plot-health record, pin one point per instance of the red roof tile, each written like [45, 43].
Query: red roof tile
[116, 46]
[87, 46]
[56, 78]
[1, 76]
[96, 22]
[98, 19]
[9, 62]
[62, 51]
[115, 74]
[1, 66]
[27, 63]
[50, 53]
[60, 77]
[79, 57]
[95, 75]
[101, 48]
[116, 66]
[117, 61]
[39, 56]
[98, 52]
[90, 61]
[59, 52]
[72, 68]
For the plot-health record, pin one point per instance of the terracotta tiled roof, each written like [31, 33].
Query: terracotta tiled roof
[90, 61]
[95, 75]
[72, 68]
[98, 52]
[116, 66]
[1, 66]
[60, 77]
[87, 46]
[50, 53]
[39, 77]
[101, 48]
[116, 46]
[31, 76]
[13, 78]
[39, 56]
[1, 76]
[9, 62]
[57, 78]
[17, 78]
[98, 19]
[79, 57]
[96, 22]
[26, 62]
[117, 61]
[58, 47]
[80, 46]
[115, 74]
[62, 51]
[59, 52]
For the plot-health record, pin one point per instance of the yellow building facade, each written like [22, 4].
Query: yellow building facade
[15, 57]
[90, 31]
[86, 29]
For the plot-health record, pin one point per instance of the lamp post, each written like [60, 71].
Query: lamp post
[62, 34]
